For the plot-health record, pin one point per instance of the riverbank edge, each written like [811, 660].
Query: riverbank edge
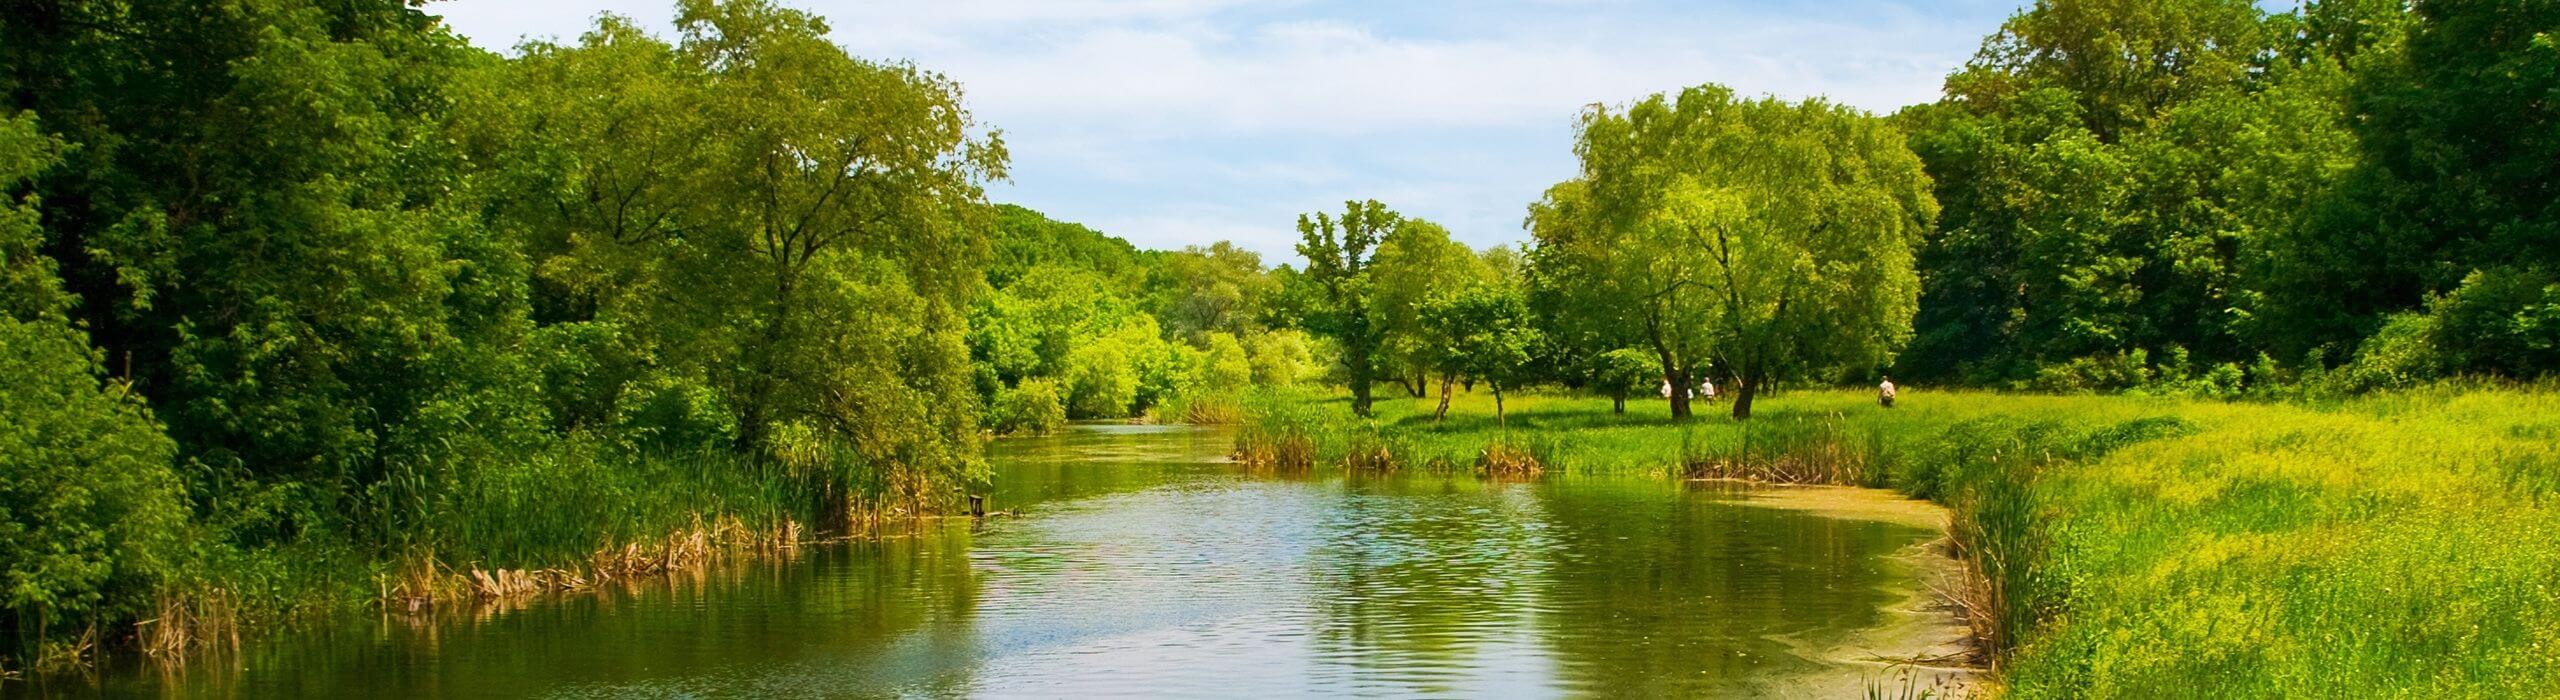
[2108, 538]
[190, 624]
[1964, 589]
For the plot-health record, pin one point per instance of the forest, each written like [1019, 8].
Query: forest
[313, 306]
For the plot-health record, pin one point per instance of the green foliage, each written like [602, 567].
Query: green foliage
[1485, 332]
[2205, 176]
[1224, 364]
[1215, 289]
[1765, 238]
[1624, 372]
[1026, 240]
[91, 514]
[1416, 263]
[1340, 252]
[1282, 357]
[1034, 407]
[1101, 382]
[830, 294]
[673, 413]
[2502, 321]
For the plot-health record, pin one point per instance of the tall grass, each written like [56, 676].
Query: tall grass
[2399, 545]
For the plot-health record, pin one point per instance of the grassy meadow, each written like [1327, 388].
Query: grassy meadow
[2397, 545]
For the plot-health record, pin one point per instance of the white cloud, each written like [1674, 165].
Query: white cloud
[1173, 122]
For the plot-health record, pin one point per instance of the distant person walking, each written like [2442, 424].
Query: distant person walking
[1666, 388]
[1885, 392]
[1707, 389]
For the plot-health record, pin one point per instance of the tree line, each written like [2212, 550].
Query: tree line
[2192, 196]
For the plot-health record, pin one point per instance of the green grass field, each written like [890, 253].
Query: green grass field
[2399, 545]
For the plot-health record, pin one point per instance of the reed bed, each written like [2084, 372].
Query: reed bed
[2396, 545]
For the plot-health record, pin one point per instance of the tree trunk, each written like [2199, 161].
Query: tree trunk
[1356, 356]
[1618, 404]
[1679, 379]
[1743, 390]
[1421, 385]
[1498, 418]
[1443, 412]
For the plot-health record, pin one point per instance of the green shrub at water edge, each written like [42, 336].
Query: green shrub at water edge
[1032, 407]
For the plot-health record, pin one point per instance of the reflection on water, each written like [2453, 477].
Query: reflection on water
[1142, 564]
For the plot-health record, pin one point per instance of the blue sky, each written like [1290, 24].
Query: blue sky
[1182, 122]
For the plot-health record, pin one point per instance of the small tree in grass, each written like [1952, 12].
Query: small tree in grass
[1484, 332]
[1624, 372]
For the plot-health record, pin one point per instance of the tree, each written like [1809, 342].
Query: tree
[1770, 238]
[2127, 177]
[1416, 262]
[802, 228]
[91, 513]
[2451, 109]
[268, 223]
[1482, 331]
[1199, 290]
[1623, 372]
[1339, 255]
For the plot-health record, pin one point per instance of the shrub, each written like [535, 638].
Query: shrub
[1225, 367]
[1031, 408]
[2504, 322]
[1625, 372]
[2095, 373]
[2399, 355]
[1281, 357]
[90, 509]
[674, 413]
[1100, 383]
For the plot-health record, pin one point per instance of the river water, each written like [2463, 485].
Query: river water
[1138, 562]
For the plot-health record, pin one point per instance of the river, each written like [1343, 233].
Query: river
[1135, 561]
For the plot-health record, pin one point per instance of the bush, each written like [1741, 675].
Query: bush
[1281, 357]
[674, 413]
[2504, 322]
[584, 367]
[1625, 372]
[2400, 355]
[90, 509]
[2096, 373]
[1100, 383]
[1031, 408]
[1225, 367]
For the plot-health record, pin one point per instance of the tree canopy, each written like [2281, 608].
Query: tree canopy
[1761, 239]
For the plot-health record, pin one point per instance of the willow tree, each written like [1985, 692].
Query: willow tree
[1761, 238]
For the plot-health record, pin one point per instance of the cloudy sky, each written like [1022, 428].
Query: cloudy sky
[1181, 122]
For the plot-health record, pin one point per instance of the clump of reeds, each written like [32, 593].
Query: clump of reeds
[1202, 410]
[1275, 449]
[1777, 450]
[189, 619]
[1503, 460]
[427, 582]
[1367, 453]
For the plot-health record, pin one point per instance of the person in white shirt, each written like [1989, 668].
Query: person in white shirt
[1885, 391]
[1707, 390]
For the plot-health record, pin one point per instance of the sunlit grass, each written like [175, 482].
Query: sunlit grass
[2396, 545]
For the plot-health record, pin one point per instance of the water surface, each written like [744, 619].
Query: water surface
[1139, 563]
